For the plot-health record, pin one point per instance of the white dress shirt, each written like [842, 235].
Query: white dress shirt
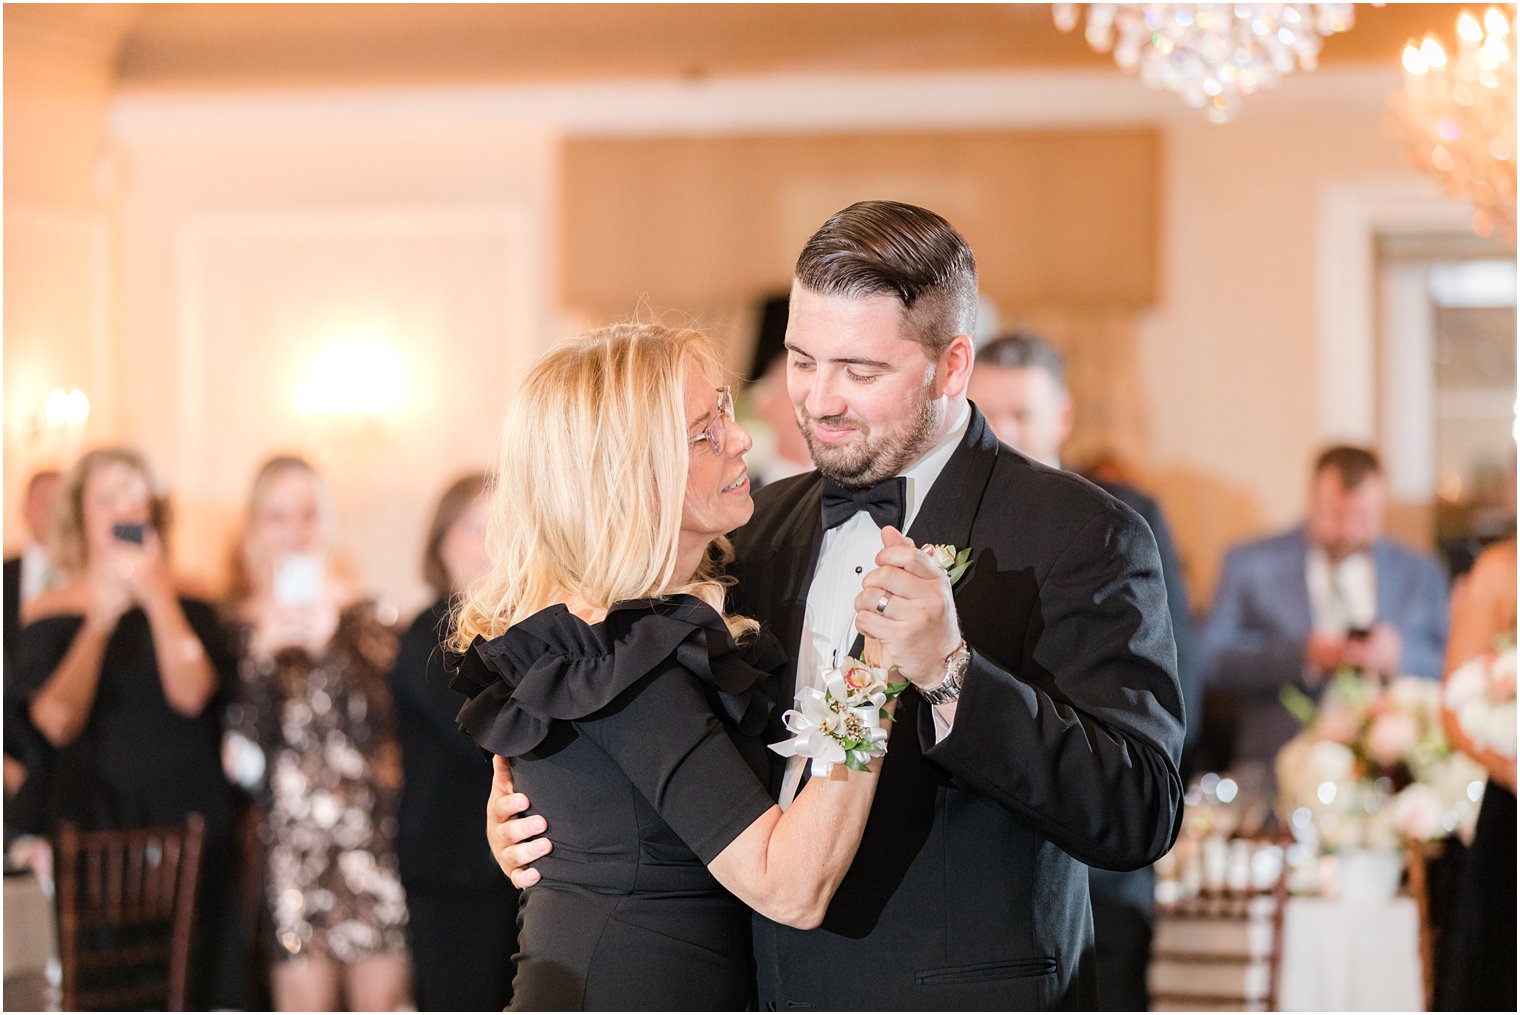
[36, 571]
[1342, 596]
[847, 556]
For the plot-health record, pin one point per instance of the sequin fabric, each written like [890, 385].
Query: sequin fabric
[332, 786]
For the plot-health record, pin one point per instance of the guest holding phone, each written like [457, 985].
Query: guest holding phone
[118, 672]
[311, 732]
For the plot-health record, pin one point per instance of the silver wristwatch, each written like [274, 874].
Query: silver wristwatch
[949, 688]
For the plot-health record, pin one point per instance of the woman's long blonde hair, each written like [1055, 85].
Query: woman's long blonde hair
[587, 495]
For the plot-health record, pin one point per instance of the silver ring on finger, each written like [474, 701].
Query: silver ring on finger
[881, 604]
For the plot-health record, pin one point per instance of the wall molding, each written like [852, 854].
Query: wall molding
[773, 104]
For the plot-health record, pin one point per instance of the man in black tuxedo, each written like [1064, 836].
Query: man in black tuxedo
[1045, 724]
[1020, 385]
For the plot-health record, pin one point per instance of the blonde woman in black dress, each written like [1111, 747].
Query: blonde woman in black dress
[601, 662]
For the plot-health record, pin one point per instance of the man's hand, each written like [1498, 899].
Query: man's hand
[1324, 652]
[1381, 652]
[512, 840]
[918, 627]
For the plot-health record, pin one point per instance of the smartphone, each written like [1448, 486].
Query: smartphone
[298, 579]
[128, 533]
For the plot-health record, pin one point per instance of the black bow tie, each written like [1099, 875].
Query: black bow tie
[884, 502]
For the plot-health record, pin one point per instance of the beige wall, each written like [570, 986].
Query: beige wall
[247, 252]
[186, 280]
[59, 247]
[693, 221]
[1231, 354]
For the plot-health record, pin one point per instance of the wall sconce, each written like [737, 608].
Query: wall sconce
[355, 377]
[62, 409]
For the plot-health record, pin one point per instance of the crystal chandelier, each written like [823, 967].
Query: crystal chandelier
[1458, 114]
[1210, 54]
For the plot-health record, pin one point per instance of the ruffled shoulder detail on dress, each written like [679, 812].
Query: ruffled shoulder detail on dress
[555, 666]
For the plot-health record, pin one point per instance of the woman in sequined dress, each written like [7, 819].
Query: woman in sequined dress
[312, 731]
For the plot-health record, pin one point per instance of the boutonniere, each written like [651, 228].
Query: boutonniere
[948, 557]
[842, 724]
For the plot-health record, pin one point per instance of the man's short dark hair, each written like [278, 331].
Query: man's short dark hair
[1352, 464]
[1021, 350]
[888, 248]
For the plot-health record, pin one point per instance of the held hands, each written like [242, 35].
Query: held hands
[127, 574]
[1380, 652]
[917, 626]
[307, 626]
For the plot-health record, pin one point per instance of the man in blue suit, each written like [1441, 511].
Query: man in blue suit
[1294, 608]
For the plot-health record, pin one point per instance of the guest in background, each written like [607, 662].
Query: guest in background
[28, 574]
[1295, 608]
[119, 673]
[463, 926]
[1019, 384]
[773, 406]
[780, 449]
[1482, 611]
[312, 730]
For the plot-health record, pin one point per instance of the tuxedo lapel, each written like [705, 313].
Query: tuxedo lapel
[950, 509]
[793, 559]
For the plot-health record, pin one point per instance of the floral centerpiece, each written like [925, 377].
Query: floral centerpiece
[1373, 768]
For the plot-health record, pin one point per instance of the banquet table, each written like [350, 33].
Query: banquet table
[1337, 955]
[1351, 955]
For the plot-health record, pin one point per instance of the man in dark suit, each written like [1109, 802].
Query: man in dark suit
[1043, 730]
[1019, 383]
[1294, 608]
[27, 573]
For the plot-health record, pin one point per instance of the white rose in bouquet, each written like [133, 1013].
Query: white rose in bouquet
[1481, 694]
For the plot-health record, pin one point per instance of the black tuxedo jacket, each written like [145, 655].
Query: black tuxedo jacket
[969, 890]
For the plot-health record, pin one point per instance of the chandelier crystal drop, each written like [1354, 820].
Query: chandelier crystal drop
[1457, 113]
[1211, 54]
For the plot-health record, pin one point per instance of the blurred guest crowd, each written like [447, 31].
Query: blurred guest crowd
[345, 860]
[346, 863]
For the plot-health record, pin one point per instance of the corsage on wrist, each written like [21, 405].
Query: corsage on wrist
[842, 724]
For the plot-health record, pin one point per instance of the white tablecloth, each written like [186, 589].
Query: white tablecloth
[1351, 956]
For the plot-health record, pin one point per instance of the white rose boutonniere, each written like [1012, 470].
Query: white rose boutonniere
[948, 557]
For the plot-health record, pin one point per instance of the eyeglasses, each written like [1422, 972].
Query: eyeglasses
[716, 430]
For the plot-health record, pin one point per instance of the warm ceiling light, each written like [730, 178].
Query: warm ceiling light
[1457, 112]
[1210, 54]
[359, 376]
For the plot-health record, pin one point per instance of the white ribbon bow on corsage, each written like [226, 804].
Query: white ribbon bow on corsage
[840, 725]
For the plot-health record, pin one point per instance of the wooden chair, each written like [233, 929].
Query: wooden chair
[1221, 949]
[126, 911]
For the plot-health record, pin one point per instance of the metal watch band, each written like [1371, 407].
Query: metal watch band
[949, 688]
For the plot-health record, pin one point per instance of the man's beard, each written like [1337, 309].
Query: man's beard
[871, 458]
